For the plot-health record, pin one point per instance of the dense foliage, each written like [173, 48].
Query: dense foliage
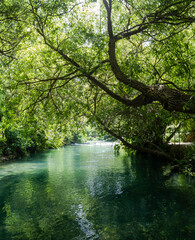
[126, 66]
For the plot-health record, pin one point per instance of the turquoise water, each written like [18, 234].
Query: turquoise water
[89, 192]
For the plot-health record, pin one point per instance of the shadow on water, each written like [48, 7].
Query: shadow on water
[88, 192]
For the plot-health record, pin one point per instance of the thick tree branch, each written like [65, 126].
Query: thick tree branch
[173, 100]
[170, 99]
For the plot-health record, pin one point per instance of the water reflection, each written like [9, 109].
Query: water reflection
[87, 192]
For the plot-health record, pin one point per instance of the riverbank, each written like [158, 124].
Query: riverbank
[184, 155]
[4, 159]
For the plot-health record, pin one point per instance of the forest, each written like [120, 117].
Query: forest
[124, 69]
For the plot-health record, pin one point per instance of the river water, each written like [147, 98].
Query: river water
[89, 192]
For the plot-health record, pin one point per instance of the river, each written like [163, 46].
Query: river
[89, 192]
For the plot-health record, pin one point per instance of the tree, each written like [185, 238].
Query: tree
[112, 62]
[12, 14]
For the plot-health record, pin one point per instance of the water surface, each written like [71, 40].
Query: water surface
[89, 192]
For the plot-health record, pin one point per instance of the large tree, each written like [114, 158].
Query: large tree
[127, 64]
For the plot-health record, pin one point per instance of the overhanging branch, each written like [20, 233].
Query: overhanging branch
[132, 146]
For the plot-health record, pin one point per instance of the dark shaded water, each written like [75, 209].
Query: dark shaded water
[88, 192]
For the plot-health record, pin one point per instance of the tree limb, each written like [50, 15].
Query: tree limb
[132, 146]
